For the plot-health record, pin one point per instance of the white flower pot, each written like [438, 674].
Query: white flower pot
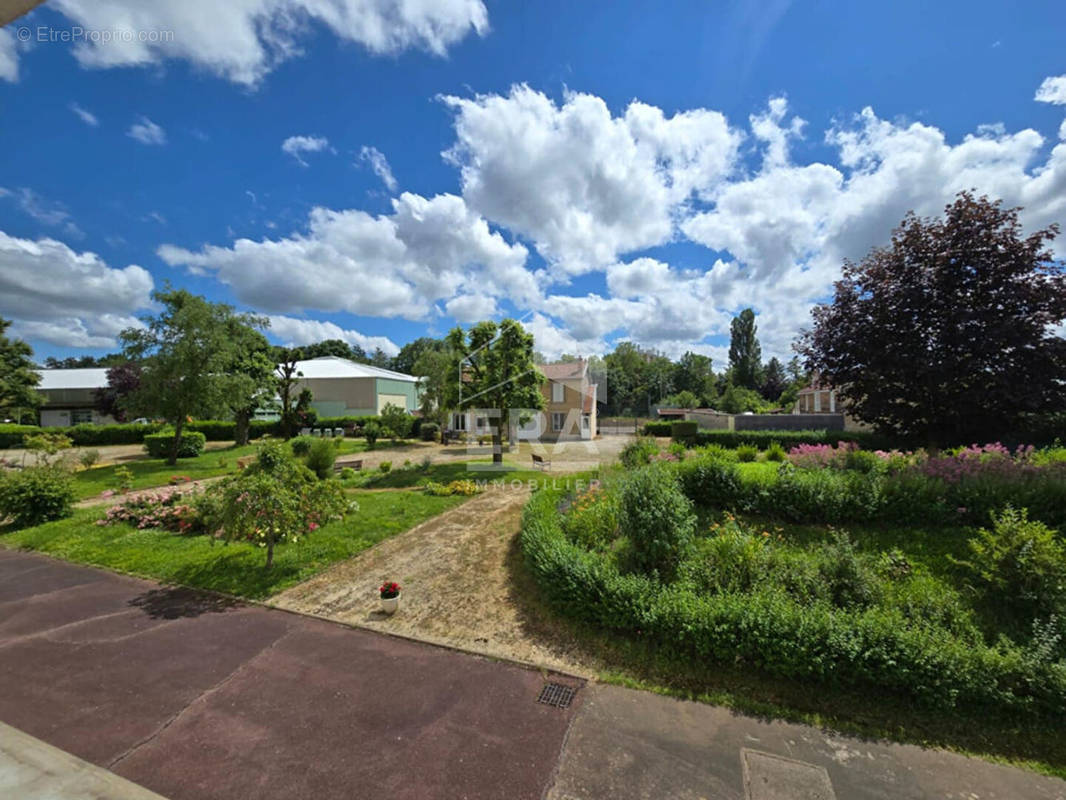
[390, 604]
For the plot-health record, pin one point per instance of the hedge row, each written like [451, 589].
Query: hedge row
[11, 434]
[191, 445]
[876, 648]
[867, 440]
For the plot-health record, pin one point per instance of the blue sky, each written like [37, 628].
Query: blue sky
[600, 170]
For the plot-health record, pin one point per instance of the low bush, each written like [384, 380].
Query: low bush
[790, 438]
[429, 431]
[167, 509]
[321, 456]
[158, 445]
[775, 452]
[385, 467]
[592, 519]
[747, 453]
[657, 518]
[88, 458]
[301, 445]
[638, 452]
[371, 431]
[36, 494]
[1020, 564]
[710, 481]
[684, 431]
[461, 488]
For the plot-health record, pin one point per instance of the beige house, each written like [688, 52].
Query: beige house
[569, 412]
[343, 388]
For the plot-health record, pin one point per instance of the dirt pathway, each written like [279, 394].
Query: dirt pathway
[459, 588]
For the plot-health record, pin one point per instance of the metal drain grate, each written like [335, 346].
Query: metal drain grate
[557, 695]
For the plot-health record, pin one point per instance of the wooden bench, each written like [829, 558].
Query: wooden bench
[541, 462]
[356, 465]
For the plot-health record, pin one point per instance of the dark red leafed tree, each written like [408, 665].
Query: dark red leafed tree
[948, 334]
[122, 382]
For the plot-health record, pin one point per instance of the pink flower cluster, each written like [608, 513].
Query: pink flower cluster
[989, 460]
[820, 456]
[162, 509]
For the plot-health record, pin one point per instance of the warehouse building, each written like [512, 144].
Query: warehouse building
[343, 388]
[69, 396]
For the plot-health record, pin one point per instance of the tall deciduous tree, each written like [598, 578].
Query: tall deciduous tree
[745, 354]
[250, 374]
[410, 353]
[498, 374]
[18, 376]
[694, 374]
[947, 335]
[435, 368]
[185, 351]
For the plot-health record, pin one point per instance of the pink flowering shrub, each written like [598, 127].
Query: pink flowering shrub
[166, 509]
[821, 456]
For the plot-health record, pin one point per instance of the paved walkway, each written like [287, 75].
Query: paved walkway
[191, 696]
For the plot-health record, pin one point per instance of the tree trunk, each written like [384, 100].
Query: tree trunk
[497, 444]
[176, 444]
[270, 551]
[240, 432]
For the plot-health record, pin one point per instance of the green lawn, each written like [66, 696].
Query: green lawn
[234, 567]
[149, 472]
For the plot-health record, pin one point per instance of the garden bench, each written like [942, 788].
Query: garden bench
[541, 462]
[356, 465]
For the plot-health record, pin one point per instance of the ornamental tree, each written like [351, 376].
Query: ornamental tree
[745, 354]
[123, 381]
[494, 370]
[948, 334]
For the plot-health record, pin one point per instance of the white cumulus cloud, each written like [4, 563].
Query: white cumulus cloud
[243, 40]
[68, 298]
[1052, 90]
[294, 332]
[380, 165]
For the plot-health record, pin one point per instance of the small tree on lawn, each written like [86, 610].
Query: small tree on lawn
[435, 368]
[186, 351]
[494, 370]
[18, 376]
[947, 335]
[278, 500]
[396, 421]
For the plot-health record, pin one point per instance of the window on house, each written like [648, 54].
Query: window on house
[584, 422]
[557, 392]
[81, 416]
[458, 422]
[558, 420]
[481, 422]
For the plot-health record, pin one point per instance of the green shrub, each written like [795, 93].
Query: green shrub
[684, 431]
[301, 445]
[592, 519]
[638, 452]
[429, 431]
[88, 458]
[789, 438]
[123, 478]
[657, 428]
[385, 467]
[848, 578]
[864, 461]
[371, 431]
[1020, 564]
[731, 559]
[657, 517]
[320, 457]
[677, 450]
[710, 481]
[11, 435]
[775, 452]
[395, 421]
[747, 453]
[347, 473]
[36, 494]
[158, 445]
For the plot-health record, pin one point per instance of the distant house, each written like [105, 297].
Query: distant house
[569, 412]
[818, 398]
[69, 396]
[343, 388]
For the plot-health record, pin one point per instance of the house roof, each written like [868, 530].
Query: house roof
[88, 378]
[564, 370]
[336, 367]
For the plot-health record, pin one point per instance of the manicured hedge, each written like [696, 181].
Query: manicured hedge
[657, 428]
[684, 430]
[11, 434]
[344, 422]
[876, 648]
[158, 444]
